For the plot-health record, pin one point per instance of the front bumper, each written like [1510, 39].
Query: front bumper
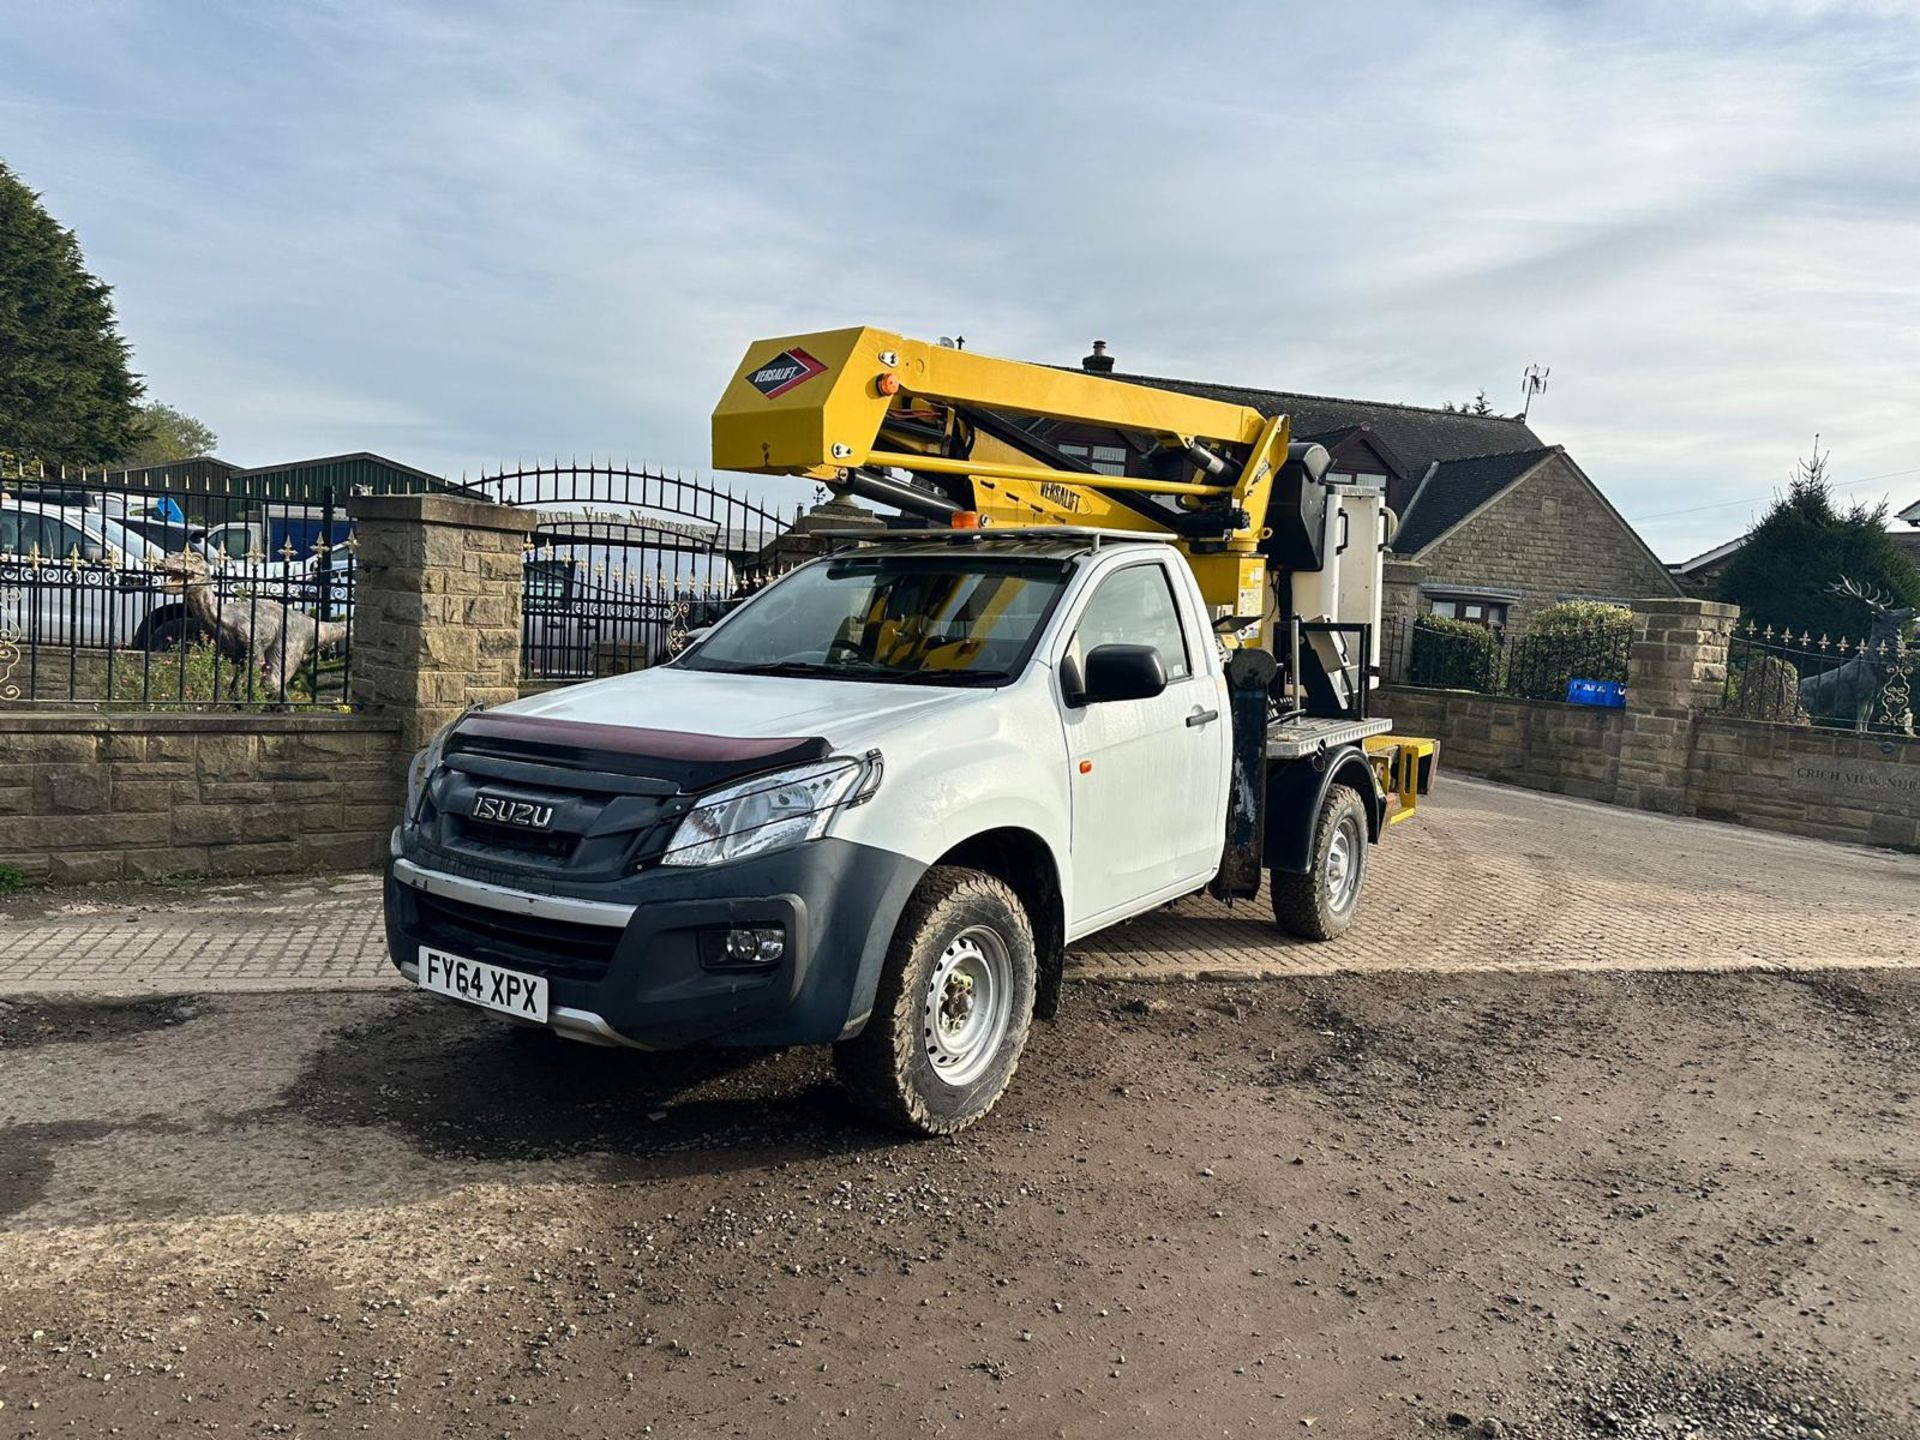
[625, 966]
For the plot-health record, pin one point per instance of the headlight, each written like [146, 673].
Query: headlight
[422, 768]
[772, 812]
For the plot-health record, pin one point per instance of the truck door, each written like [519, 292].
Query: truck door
[1148, 775]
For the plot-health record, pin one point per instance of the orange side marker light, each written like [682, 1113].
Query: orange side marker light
[1086, 767]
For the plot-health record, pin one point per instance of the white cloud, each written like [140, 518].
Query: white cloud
[474, 231]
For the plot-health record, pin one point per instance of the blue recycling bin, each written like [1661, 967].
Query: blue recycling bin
[1610, 694]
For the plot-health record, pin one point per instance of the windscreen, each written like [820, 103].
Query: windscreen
[929, 620]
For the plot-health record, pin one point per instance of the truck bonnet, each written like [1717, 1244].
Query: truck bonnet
[701, 728]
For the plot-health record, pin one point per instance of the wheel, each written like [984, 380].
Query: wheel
[951, 1014]
[1319, 904]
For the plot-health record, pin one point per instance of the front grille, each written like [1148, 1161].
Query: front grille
[599, 827]
[560, 949]
[553, 844]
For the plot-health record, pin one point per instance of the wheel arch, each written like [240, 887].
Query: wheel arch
[1297, 789]
[1026, 863]
[159, 615]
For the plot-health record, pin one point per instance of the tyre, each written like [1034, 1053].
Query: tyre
[951, 1014]
[1320, 904]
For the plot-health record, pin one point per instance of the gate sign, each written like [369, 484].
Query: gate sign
[786, 370]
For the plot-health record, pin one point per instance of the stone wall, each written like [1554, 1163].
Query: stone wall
[1834, 784]
[1672, 749]
[1567, 749]
[135, 796]
[56, 673]
[89, 794]
[1551, 535]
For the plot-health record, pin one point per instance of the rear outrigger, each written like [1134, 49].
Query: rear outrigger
[874, 805]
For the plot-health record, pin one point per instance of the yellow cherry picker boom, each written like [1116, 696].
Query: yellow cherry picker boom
[1288, 562]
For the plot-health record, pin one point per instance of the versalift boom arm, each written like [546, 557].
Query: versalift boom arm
[940, 431]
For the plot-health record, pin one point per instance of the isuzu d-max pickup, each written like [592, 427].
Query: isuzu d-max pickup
[870, 808]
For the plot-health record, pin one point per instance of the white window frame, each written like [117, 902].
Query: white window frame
[1458, 604]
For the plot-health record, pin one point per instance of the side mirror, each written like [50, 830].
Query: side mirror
[1122, 672]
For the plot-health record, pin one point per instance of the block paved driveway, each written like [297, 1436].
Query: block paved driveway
[1486, 877]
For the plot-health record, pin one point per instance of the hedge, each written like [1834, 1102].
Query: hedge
[1453, 655]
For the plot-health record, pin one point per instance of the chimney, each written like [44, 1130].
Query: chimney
[1099, 362]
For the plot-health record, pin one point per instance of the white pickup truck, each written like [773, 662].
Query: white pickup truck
[872, 807]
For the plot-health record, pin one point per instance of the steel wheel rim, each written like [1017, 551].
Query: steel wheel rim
[1343, 865]
[969, 1002]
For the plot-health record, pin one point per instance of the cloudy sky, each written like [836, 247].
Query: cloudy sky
[468, 231]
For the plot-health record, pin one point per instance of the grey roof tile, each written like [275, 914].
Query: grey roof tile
[1457, 489]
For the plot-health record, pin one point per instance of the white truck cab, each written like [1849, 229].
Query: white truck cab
[871, 808]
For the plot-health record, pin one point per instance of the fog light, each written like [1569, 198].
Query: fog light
[743, 946]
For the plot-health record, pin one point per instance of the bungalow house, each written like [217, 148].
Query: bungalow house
[1494, 524]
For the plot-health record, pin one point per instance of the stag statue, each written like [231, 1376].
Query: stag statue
[273, 637]
[1855, 687]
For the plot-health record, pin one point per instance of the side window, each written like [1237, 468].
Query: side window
[61, 540]
[233, 541]
[21, 531]
[1135, 606]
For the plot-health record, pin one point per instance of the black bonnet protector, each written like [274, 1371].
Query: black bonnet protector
[691, 762]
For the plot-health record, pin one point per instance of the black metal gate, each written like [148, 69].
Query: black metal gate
[622, 564]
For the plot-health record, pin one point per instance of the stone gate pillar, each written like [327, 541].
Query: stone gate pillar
[1676, 668]
[436, 614]
[1399, 604]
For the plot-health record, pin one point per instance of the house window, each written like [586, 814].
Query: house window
[1106, 459]
[1492, 613]
[1357, 477]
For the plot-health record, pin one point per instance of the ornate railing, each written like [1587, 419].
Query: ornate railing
[1560, 664]
[623, 563]
[1802, 679]
[130, 595]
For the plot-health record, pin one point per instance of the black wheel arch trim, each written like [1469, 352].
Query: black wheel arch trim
[1297, 791]
[1020, 857]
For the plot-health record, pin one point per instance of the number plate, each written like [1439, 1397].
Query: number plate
[478, 983]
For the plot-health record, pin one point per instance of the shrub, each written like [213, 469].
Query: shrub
[1575, 615]
[1453, 655]
[198, 677]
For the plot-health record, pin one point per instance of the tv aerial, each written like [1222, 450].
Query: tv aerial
[1532, 384]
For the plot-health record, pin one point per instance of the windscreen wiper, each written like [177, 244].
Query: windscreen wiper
[817, 669]
[953, 677]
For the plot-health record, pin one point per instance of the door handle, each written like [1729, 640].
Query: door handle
[1202, 717]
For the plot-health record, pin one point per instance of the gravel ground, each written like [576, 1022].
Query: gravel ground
[1545, 1205]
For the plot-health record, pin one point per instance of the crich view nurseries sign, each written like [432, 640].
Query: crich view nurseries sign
[1897, 779]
